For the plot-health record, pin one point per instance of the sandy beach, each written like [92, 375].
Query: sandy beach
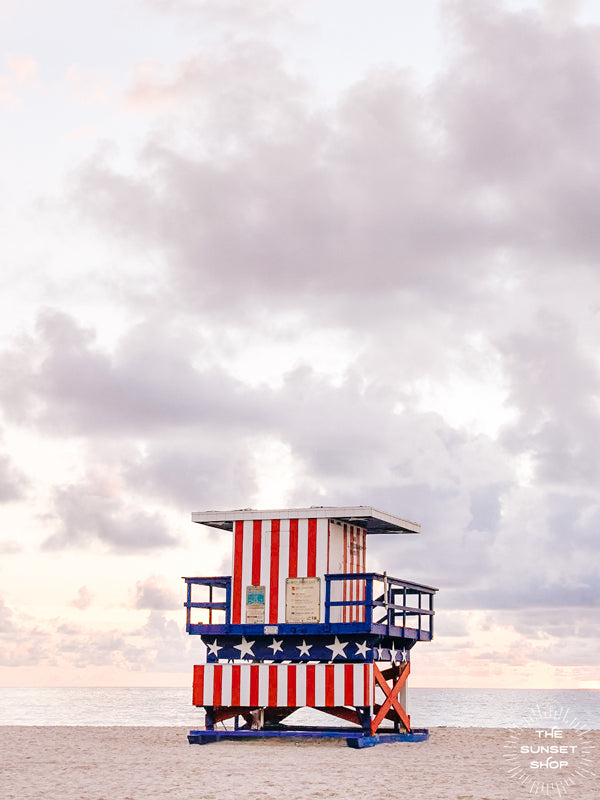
[119, 763]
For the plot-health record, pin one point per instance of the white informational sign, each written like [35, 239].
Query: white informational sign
[302, 600]
[255, 605]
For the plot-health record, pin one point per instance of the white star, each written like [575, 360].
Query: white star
[304, 648]
[361, 649]
[245, 648]
[276, 646]
[393, 654]
[337, 648]
[404, 655]
[214, 648]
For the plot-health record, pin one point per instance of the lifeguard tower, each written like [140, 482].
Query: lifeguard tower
[300, 623]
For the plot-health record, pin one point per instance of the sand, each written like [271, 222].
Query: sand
[118, 763]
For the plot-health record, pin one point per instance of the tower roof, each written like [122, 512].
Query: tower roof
[373, 520]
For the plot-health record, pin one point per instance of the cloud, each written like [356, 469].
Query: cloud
[159, 645]
[9, 547]
[394, 190]
[446, 235]
[7, 624]
[94, 511]
[84, 598]
[13, 481]
[64, 383]
[558, 423]
[153, 594]
[22, 72]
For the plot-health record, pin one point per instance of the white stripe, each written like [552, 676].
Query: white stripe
[301, 685]
[246, 564]
[359, 684]
[322, 528]
[320, 685]
[245, 685]
[282, 684]
[338, 684]
[263, 684]
[207, 700]
[302, 548]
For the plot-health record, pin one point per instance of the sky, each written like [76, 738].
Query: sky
[290, 253]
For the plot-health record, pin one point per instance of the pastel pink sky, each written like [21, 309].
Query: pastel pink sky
[288, 254]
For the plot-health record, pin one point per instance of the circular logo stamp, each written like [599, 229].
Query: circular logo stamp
[550, 754]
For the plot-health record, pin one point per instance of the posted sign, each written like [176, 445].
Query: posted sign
[255, 605]
[302, 600]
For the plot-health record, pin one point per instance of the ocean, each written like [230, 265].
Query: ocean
[167, 707]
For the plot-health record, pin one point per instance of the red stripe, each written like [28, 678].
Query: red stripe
[274, 576]
[273, 671]
[329, 684]
[367, 686]
[312, 548]
[291, 686]
[235, 685]
[293, 566]
[349, 684]
[217, 685]
[254, 685]
[238, 552]
[256, 528]
[198, 685]
[310, 684]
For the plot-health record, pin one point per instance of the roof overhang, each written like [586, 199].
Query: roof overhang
[371, 519]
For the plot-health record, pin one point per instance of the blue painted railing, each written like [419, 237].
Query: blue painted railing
[389, 606]
[380, 603]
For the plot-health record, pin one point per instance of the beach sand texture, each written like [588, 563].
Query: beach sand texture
[119, 763]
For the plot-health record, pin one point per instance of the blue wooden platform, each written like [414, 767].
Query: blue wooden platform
[355, 737]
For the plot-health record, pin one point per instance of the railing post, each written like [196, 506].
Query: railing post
[369, 602]
[188, 609]
[327, 598]
[385, 599]
[228, 603]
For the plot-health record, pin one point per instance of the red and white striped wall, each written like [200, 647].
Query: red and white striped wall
[266, 552]
[347, 545]
[287, 685]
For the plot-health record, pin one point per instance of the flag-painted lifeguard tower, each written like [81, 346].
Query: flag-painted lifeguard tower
[300, 623]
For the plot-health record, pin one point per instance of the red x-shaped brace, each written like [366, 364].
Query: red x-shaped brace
[391, 697]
